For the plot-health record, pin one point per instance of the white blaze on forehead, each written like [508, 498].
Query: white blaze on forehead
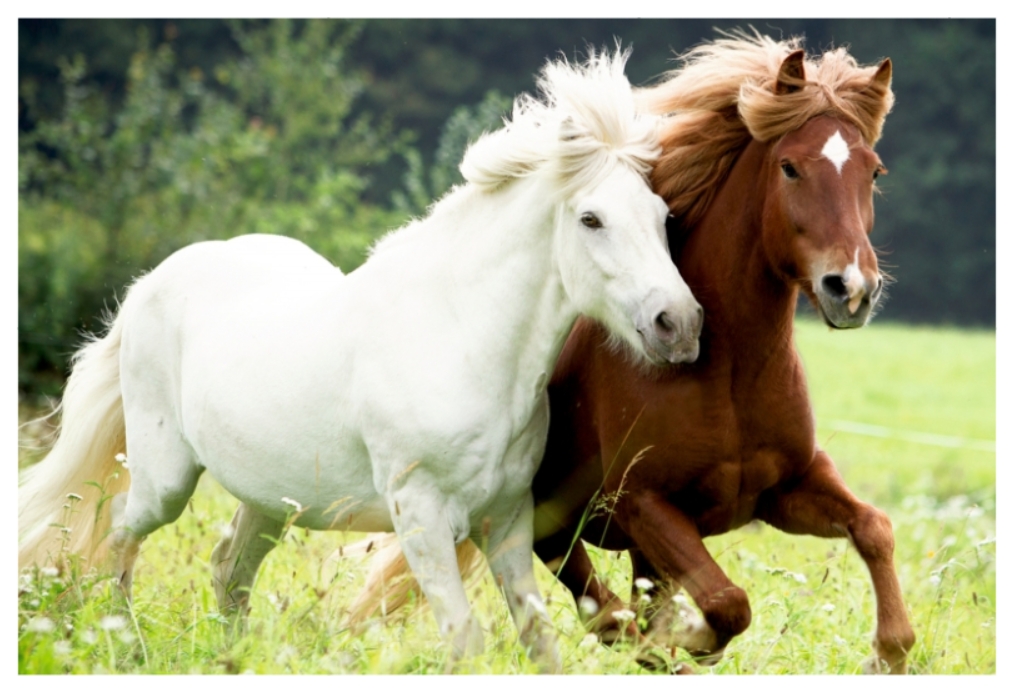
[836, 151]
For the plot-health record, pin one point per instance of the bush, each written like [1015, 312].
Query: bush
[107, 193]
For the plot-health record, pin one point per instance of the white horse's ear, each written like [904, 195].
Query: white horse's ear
[569, 130]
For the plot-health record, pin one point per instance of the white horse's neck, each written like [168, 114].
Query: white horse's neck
[508, 293]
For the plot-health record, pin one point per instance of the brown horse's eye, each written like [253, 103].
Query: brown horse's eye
[590, 220]
[789, 171]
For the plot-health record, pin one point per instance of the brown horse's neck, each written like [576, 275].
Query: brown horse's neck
[749, 307]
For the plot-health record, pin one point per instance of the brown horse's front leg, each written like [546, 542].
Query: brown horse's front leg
[821, 505]
[670, 542]
[573, 568]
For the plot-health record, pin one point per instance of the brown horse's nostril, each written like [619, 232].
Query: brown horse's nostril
[834, 285]
[665, 329]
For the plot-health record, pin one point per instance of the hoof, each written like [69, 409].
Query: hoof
[708, 658]
[879, 666]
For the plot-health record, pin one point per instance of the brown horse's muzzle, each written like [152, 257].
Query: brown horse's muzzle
[847, 302]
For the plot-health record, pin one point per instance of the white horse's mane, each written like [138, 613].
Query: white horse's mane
[583, 123]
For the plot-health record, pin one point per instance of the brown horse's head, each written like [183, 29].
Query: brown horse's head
[815, 122]
[819, 211]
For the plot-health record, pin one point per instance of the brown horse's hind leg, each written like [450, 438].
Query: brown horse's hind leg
[573, 568]
[670, 542]
[821, 505]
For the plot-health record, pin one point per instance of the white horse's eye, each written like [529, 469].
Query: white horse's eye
[590, 220]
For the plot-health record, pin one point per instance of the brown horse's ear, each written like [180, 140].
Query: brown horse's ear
[884, 75]
[791, 77]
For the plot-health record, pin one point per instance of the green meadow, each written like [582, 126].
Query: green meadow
[908, 414]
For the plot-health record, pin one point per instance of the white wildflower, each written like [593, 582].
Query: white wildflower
[589, 641]
[74, 496]
[645, 598]
[49, 572]
[113, 622]
[286, 653]
[588, 607]
[680, 599]
[63, 647]
[798, 577]
[644, 584]
[89, 636]
[828, 608]
[25, 583]
[279, 603]
[122, 460]
[293, 503]
[40, 623]
[623, 615]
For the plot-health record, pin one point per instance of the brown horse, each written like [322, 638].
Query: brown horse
[701, 449]
[769, 171]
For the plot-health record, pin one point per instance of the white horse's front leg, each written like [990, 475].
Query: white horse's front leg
[510, 557]
[429, 546]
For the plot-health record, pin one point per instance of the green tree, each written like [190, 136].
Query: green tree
[422, 186]
[268, 144]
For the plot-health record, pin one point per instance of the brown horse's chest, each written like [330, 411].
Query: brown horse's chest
[719, 458]
[726, 495]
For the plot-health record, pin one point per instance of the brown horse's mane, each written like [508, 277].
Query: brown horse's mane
[723, 96]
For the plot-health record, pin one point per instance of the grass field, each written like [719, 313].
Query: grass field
[907, 413]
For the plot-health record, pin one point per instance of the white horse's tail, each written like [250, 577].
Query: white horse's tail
[64, 501]
[390, 583]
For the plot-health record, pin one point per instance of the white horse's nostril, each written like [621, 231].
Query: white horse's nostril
[665, 329]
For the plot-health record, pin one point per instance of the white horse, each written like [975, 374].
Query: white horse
[407, 396]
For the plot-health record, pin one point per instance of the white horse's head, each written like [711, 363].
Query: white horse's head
[585, 140]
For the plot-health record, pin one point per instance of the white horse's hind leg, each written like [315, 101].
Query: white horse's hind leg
[236, 558]
[163, 478]
[511, 561]
[429, 546]
[125, 549]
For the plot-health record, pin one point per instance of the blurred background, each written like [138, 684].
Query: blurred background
[137, 137]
